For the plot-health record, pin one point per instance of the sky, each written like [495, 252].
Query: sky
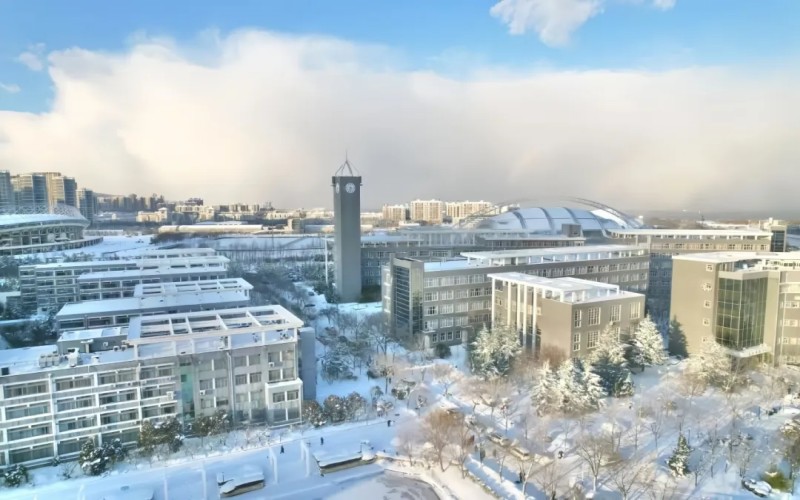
[647, 104]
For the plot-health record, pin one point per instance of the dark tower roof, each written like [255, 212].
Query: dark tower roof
[347, 170]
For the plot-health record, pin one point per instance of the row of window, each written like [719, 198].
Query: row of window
[593, 314]
[447, 336]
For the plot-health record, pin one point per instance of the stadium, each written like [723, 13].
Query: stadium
[45, 232]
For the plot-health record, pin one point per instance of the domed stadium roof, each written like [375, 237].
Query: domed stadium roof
[548, 220]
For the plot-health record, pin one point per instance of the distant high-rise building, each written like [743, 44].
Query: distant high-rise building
[87, 203]
[395, 213]
[30, 193]
[8, 202]
[347, 232]
[71, 192]
[60, 189]
[430, 211]
[458, 210]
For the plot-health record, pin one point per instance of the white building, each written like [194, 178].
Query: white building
[430, 211]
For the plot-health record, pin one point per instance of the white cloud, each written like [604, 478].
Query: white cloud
[33, 58]
[555, 20]
[11, 88]
[268, 117]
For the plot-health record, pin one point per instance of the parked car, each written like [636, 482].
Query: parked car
[498, 438]
[758, 488]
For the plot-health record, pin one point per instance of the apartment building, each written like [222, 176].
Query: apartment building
[104, 383]
[664, 244]
[429, 211]
[449, 301]
[47, 287]
[563, 314]
[457, 210]
[8, 201]
[748, 302]
[30, 193]
[394, 213]
[148, 300]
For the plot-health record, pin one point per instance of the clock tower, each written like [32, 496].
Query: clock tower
[347, 232]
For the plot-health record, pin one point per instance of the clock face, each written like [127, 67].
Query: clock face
[350, 188]
[337, 188]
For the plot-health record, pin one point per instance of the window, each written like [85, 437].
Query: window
[241, 379]
[576, 341]
[431, 311]
[462, 307]
[274, 375]
[26, 411]
[430, 324]
[707, 304]
[274, 357]
[221, 382]
[446, 309]
[636, 310]
[66, 384]
[254, 359]
[431, 296]
[706, 322]
[205, 385]
[594, 316]
[577, 317]
[278, 397]
[616, 312]
[255, 377]
[239, 361]
[592, 339]
[28, 432]
[431, 282]
[447, 295]
[293, 395]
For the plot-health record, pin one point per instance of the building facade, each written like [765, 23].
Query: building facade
[87, 203]
[428, 211]
[347, 233]
[450, 301]
[8, 202]
[458, 210]
[749, 302]
[394, 213]
[30, 192]
[664, 244]
[103, 384]
[562, 314]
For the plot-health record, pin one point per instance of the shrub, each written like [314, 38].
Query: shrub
[777, 479]
[15, 475]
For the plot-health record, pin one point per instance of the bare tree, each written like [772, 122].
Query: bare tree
[656, 423]
[632, 476]
[665, 490]
[407, 443]
[465, 441]
[744, 455]
[638, 424]
[792, 456]
[441, 429]
[595, 453]
[445, 375]
[548, 476]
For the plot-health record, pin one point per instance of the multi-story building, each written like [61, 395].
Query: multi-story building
[429, 211]
[87, 203]
[664, 244]
[748, 302]
[30, 192]
[60, 189]
[148, 300]
[103, 384]
[449, 301]
[8, 201]
[47, 287]
[394, 213]
[562, 314]
[458, 210]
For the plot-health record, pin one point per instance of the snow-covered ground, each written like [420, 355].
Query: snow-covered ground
[111, 245]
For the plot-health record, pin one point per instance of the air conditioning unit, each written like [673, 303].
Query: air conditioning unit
[202, 392]
[271, 364]
[170, 394]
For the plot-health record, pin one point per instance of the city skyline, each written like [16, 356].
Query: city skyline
[638, 104]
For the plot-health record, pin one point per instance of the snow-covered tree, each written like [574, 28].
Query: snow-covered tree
[493, 351]
[334, 408]
[95, 460]
[609, 364]
[712, 364]
[15, 475]
[355, 404]
[679, 461]
[649, 342]
[544, 395]
[578, 389]
[336, 362]
[211, 425]
[313, 414]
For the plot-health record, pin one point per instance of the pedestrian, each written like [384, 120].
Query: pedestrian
[321, 441]
[388, 423]
[560, 454]
[281, 449]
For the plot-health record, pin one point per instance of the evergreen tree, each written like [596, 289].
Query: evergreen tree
[544, 394]
[649, 342]
[334, 408]
[493, 351]
[609, 364]
[354, 405]
[679, 461]
[677, 340]
[313, 414]
[16, 475]
[712, 364]
[576, 389]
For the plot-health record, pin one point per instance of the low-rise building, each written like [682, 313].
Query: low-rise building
[104, 383]
[161, 298]
[562, 314]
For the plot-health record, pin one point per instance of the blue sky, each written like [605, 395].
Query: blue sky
[443, 35]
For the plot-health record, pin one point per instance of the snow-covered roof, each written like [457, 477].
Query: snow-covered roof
[171, 253]
[95, 333]
[151, 303]
[146, 290]
[723, 257]
[128, 263]
[150, 273]
[21, 219]
[549, 219]
[704, 233]
[572, 290]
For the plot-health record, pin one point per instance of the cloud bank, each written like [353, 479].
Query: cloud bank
[258, 117]
[555, 20]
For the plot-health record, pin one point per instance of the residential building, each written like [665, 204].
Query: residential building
[458, 210]
[8, 201]
[562, 314]
[47, 287]
[60, 189]
[449, 301]
[30, 192]
[749, 302]
[429, 211]
[87, 203]
[395, 213]
[148, 300]
[103, 384]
